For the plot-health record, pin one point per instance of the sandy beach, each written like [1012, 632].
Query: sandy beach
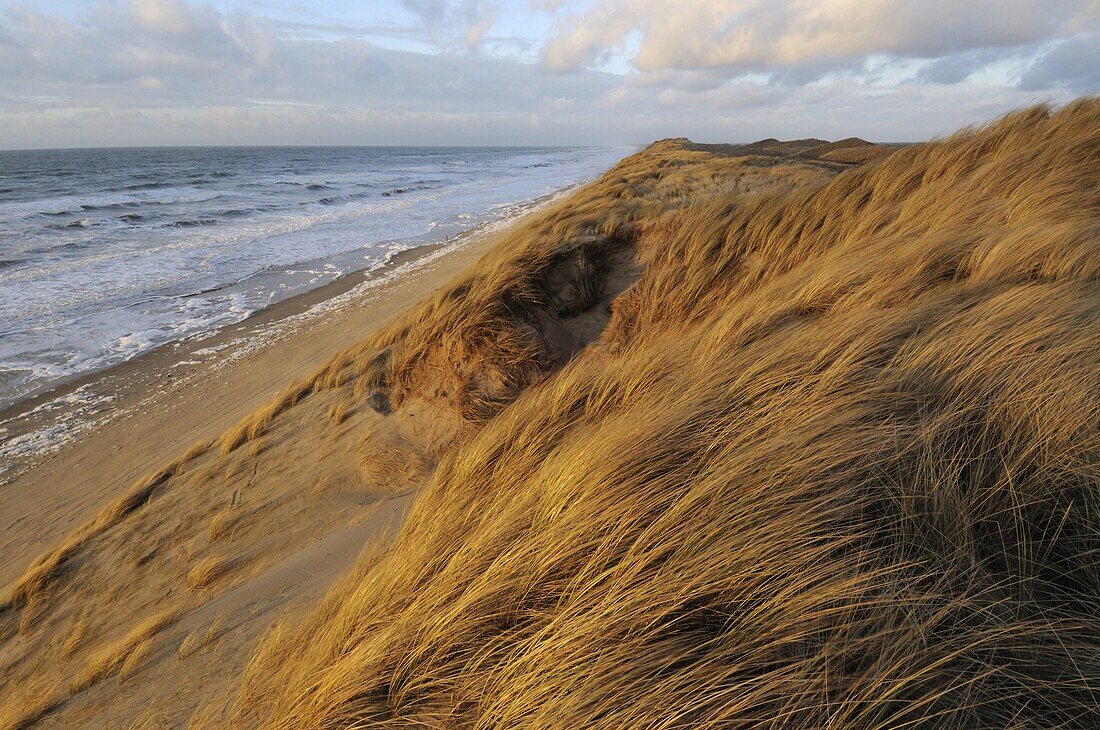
[145, 411]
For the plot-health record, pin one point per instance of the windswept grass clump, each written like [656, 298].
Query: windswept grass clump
[255, 425]
[202, 638]
[835, 464]
[31, 705]
[208, 570]
[123, 655]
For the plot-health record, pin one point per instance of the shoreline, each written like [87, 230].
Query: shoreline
[421, 244]
[147, 410]
[290, 306]
[52, 421]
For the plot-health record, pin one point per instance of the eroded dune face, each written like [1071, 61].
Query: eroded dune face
[731, 436]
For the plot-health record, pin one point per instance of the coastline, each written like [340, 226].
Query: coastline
[47, 421]
[92, 436]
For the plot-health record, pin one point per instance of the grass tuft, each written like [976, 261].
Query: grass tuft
[125, 654]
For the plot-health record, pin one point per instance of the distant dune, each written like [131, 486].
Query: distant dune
[788, 433]
[850, 151]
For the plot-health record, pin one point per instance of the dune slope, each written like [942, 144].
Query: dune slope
[832, 461]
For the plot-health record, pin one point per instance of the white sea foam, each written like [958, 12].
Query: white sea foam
[80, 411]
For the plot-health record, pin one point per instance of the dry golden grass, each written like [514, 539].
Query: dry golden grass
[835, 464]
[125, 654]
[208, 570]
[35, 701]
[859, 155]
[253, 426]
[76, 636]
[338, 413]
[220, 523]
[35, 584]
[201, 638]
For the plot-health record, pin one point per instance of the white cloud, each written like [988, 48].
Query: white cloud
[163, 16]
[802, 40]
[471, 19]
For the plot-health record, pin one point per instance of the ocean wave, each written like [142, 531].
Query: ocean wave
[105, 206]
[191, 223]
[302, 184]
[147, 186]
[68, 245]
[116, 204]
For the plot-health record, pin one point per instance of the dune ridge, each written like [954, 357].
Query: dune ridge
[734, 435]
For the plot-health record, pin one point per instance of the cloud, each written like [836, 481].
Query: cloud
[151, 73]
[178, 72]
[801, 41]
[1073, 65]
[478, 29]
[469, 19]
[164, 16]
[731, 96]
[588, 39]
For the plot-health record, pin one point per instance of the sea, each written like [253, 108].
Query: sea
[107, 253]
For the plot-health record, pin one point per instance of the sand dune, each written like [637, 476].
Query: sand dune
[734, 435]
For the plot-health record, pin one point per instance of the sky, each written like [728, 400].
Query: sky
[555, 72]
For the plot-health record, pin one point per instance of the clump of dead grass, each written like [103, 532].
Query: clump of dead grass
[253, 426]
[125, 654]
[209, 570]
[338, 412]
[201, 638]
[29, 704]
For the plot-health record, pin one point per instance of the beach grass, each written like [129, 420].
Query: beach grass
[831, 461]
